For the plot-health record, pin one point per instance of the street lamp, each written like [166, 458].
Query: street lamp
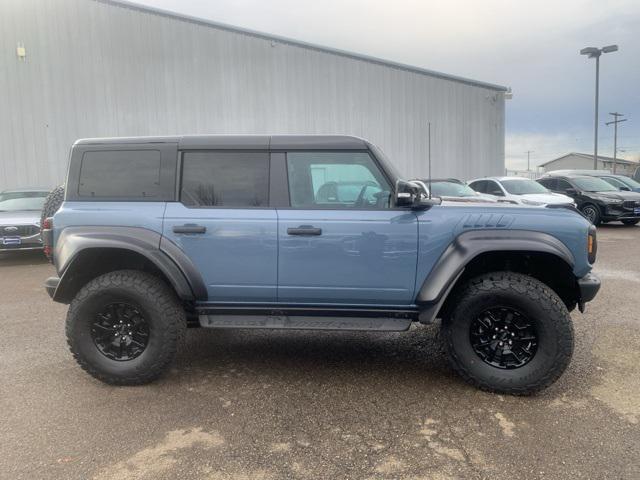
[594, 52]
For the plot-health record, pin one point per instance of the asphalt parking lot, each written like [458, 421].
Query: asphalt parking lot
[275, 405]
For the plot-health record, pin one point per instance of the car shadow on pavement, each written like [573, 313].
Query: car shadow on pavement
[17, 258]
[301, 356]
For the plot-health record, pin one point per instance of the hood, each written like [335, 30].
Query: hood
[548, 198]
[18, 217]
[618, 195]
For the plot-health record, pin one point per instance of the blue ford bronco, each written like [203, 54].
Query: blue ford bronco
[157, 234]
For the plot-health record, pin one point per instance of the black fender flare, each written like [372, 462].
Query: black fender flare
[468, 245]
[174, 264]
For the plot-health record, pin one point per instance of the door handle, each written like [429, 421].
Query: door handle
[304, 230]
[189, 229]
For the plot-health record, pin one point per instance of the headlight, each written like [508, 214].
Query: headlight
[532, 202]
[611, 201]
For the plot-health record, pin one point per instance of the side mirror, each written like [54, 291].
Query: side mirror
[625, 189]
[411, 195]
[497, 193]
[571, 191]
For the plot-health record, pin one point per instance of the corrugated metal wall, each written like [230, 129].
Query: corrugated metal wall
[97, 69]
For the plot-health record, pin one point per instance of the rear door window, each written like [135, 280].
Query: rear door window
[225, 179]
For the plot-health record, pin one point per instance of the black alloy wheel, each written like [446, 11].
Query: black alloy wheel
[592, 214]
[120, 332]
[503, 338]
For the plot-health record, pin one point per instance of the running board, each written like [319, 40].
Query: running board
[302, 322]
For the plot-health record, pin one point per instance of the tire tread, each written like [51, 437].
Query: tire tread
[546, 298]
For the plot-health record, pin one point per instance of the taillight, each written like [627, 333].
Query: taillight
[592, 244]
[46, 231]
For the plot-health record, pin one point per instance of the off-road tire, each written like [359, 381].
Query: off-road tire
[160, 308]
[595, 217]
[52, 203]
[630, 222]
[528, 295]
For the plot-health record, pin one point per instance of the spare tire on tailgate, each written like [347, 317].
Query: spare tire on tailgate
[52, 203]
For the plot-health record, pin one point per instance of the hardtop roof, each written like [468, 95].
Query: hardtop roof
[241, 142]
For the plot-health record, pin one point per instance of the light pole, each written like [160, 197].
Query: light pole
[528, 152]
[594, 52]
[615, 122]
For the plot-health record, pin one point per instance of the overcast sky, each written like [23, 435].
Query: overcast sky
[530, 46]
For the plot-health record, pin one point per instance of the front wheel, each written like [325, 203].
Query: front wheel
[630, 222]
[123, 327]
[509, 333]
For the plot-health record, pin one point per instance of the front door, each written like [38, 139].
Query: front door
[224, 224]
[339, 241]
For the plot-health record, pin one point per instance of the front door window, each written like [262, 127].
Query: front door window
[336, 180]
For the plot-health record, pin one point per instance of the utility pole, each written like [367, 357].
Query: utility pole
[529, 152]
[616, 120]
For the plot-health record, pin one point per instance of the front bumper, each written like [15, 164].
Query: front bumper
[589, 285]
[618, 212]
[25, 243]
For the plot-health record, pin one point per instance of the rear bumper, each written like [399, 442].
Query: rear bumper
[589, 286]
[51, 284]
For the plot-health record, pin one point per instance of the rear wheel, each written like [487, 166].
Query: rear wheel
[592, 213]
[630, 222]
[509, 333]
[123, 327]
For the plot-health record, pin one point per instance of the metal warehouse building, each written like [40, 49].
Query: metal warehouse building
[92, 68]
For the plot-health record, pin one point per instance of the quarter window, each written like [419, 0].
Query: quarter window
[225, 179]
[336, 180]
[120, 173]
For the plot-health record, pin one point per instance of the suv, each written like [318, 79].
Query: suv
[157, 234]
[598, 200]
[20, 218]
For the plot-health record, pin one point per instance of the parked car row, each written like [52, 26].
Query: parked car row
[600, 196]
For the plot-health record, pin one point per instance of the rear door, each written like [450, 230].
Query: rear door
[223, 222]
[340, 242]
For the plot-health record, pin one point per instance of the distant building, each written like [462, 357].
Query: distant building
[584, 161]
[100, 68]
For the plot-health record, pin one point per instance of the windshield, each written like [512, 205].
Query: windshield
[594, 185]
[523, 187]
[13, 204]
[618, 181]
[451, 189]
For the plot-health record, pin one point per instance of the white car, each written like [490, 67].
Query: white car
[452, 190]
[518, 190]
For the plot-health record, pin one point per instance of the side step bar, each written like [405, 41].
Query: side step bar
[305, 318]
[305, 323]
